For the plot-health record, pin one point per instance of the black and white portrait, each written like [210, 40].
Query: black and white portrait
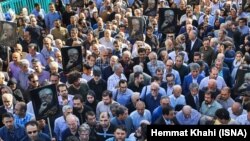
[72, 58]
[77, 3]
[246, 5]
[136, 28]
[8, 35]
[45, 101]
[167, 20]
[193, 2]
[150, 7]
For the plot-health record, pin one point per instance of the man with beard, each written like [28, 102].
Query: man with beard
[73, 63]
[104, 105]
[80, 109]
[209, 107]
[72, 130]
[58, 31]
[105, 130]
[151, 8]
[64, 97]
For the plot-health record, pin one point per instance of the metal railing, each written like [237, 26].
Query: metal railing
[17, 5]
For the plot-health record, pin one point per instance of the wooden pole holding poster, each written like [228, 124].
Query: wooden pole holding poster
[50, 132]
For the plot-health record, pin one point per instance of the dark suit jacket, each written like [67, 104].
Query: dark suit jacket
[161, 121]
[190, 100]
[187, 81]
[196, 48]
[227, 76]
[107, 72]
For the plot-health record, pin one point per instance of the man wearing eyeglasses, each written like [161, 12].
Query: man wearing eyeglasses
[33, 134]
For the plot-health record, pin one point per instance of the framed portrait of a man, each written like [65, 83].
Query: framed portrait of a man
[72, 58]
[136, 28]
[150, 7]
[45, 101]
[8, 34]
[167, 20]
[246, 5]
[77, 3]
[193, 2]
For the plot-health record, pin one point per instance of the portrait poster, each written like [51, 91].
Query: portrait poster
[45, 101]
[72, 58]
[193, 2]
[8, 34]
[246, 5]
[167, 20]
[136, 28]
[150, 7]
[77, 3]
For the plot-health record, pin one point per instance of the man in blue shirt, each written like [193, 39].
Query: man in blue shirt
[11, 131]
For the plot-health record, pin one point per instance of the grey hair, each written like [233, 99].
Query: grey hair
[247, 76]
[24, 62]
[66, 107]
[116, 66]
[137, 68]
[84, 127]
[193, 86]
[194, 66]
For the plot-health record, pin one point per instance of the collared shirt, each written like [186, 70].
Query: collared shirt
[46, 54]
[146, 91]
[22, 121]
[50, 18]
[192, 120]
[169, 91]
[106, 43]
[209, 110]
[23, 80]
[39, 13]
[233, 116]
[44, 76]
[17, 134]
[152, 68]
[122, 98]
[70, 100]
[167, 121]
[101, 107]
[14, 69]
[175, 73]
[243, 119]
[38, 56]
[60, 126]
[113, 81]
[137, 118]
[226, 103]
[177, 100]
[219, 81]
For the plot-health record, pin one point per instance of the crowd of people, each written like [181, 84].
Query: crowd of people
[197, 75]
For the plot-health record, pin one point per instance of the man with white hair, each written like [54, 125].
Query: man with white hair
[177, 98]
[72, 130]
[23, 80]
[188, 116]
[114, 79]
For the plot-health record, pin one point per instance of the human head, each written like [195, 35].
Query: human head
[62, 90]
[120, 133]
[104, 119]
[140, 107]
[187, 110]
[170, 78]
[7, 99]
[177, 90]
[46, 96]
[8, 120]
[169, 16]
[225, 93]
[223, 116]
[135, 24]
[194, 89]
[90, 118]
[55, 78]
[168, 112]
[73, 54]
[20, 109]
[78, 102]
[154, 88]
[33, 80]
[194, 69]
[107, 97]
[67, 109]
[84, 132]
[72, 121]
[209, 97]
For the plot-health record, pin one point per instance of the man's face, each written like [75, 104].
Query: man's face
[120, 135]
[104, 122]
[91, 120]
[18, 110]
[154, 91]
[72, 124]
[54, 79]
[34, 81]
[106, 100]
[46, 97]
[32, 132]
[170, 81]
[123, 87]
[197, 58]
[224, 95]
[63, 91]
[177, 92]
[37, 67]
[7, 101]
[135, 25]
[165, 102]
[169, 16]
[170, 115]
[73, 55]
[51, 8]
[47, 43]
[140, 79]
[169, 66]
[159, 74]
[8, 122]
[140, 109]
[178, 61]
[195, 73]
[208, 99]
[214, 74]
[78, 105]
[194, 92]
[67, 112]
